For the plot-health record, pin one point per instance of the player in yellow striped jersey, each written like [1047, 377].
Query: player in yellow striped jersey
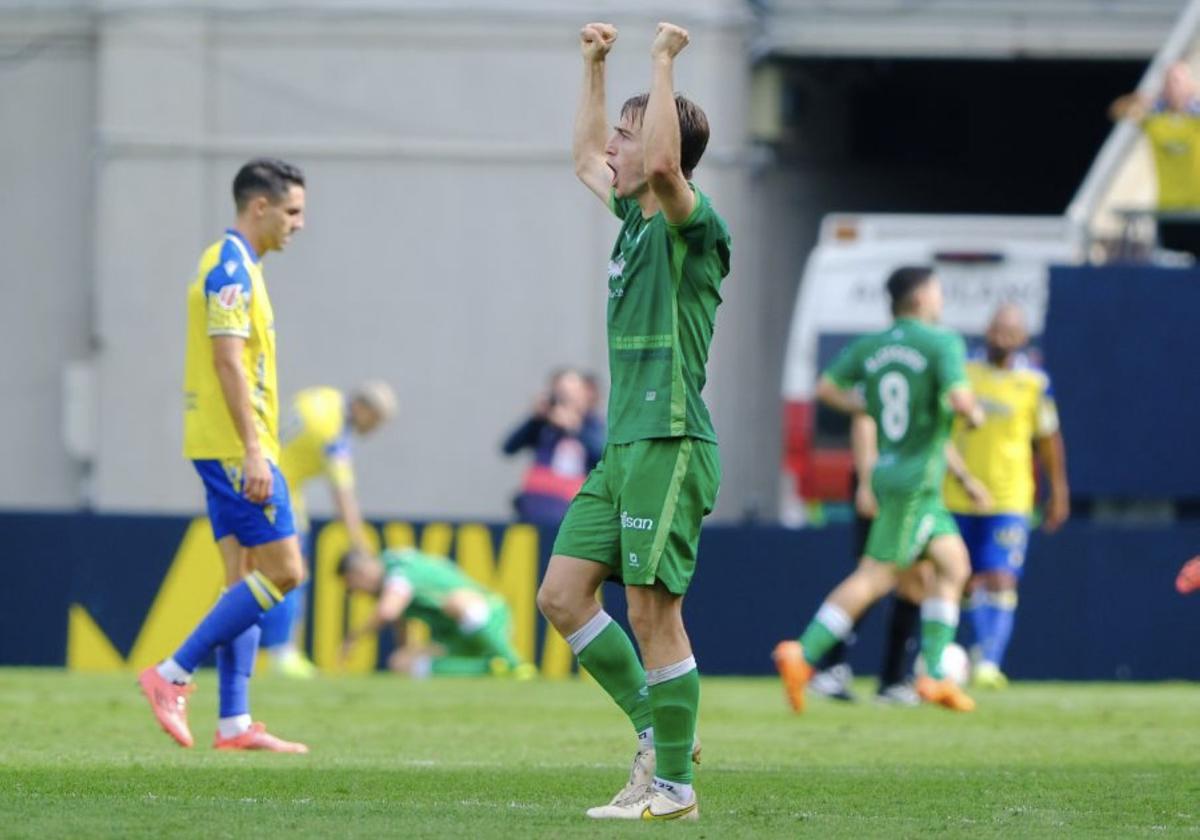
[316, 444]
[1020, 417]
[231, 435]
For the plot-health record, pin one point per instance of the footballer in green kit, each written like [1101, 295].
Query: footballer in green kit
[638, 515]
[471, 626]
[911, 380]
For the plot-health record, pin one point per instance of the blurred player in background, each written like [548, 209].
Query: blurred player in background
[639, 513]
[833, 678]
[1018, 403]
[910, 380]
[231, 434]
[470, 626]
[316, 444]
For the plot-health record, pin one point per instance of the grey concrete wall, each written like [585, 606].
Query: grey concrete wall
[448, 249]
[47, 110]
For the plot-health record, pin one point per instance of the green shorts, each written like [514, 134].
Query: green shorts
[905, 525]
[639, 512]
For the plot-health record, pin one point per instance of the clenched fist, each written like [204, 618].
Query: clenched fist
[596, 39]
[669, 41]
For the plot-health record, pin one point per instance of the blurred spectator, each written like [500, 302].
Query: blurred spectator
[1171, 124]
[565, 444]
[594, 432]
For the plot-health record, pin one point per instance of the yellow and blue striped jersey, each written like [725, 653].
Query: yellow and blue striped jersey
[316, 439]
[1019, 405]
[228, 297]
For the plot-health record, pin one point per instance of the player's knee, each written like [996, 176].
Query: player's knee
[554, 604]
[653, 625]
[956, 572]
[641, 621]
[1000, 582]
[286, 576]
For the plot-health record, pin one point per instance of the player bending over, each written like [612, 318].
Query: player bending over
[471, 626]
[638, 513]
[910, 380]
[316, 443]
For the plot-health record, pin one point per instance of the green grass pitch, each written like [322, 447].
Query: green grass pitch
[80, 756]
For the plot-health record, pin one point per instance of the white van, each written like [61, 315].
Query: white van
[981, 260]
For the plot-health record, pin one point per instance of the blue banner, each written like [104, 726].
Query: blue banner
[110, 592]
[1121, 347]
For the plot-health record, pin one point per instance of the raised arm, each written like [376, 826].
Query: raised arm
[660, 128]
[591, 121]
[1132, 106]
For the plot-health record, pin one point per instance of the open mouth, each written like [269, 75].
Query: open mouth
[613, 179]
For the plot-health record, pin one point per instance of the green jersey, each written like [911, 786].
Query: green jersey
[905, 373]
[664, 284]
[432, 579]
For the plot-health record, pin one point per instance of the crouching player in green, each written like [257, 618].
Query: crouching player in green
[911, 380]
[470, 625]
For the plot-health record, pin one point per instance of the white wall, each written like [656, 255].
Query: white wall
[448, 247]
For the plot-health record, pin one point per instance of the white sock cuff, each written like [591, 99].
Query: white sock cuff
[474, 617]
[587, 634]
[835, 619]
[943, 612]
[231, 727]
[654, 676]
[172, 671]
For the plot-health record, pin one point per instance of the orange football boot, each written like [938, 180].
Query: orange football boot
[944, 693]
[793, 670]
[1189, 577]
[168, 700]
[258, 738]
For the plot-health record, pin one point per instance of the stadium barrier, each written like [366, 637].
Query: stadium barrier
[106, 592]
[1120, 347]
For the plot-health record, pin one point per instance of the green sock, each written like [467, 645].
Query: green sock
[611, 660]
[939, 623]
[459, 666]
[675, 699]
[829, 626]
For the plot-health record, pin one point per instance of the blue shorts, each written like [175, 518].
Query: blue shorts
[232, 513]
[997, 542]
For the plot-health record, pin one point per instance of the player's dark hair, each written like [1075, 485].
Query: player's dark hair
[903, 282]
[693, 127]
[265, 176]
[349, 561]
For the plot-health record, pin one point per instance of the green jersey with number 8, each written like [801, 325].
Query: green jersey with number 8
[905, 373]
